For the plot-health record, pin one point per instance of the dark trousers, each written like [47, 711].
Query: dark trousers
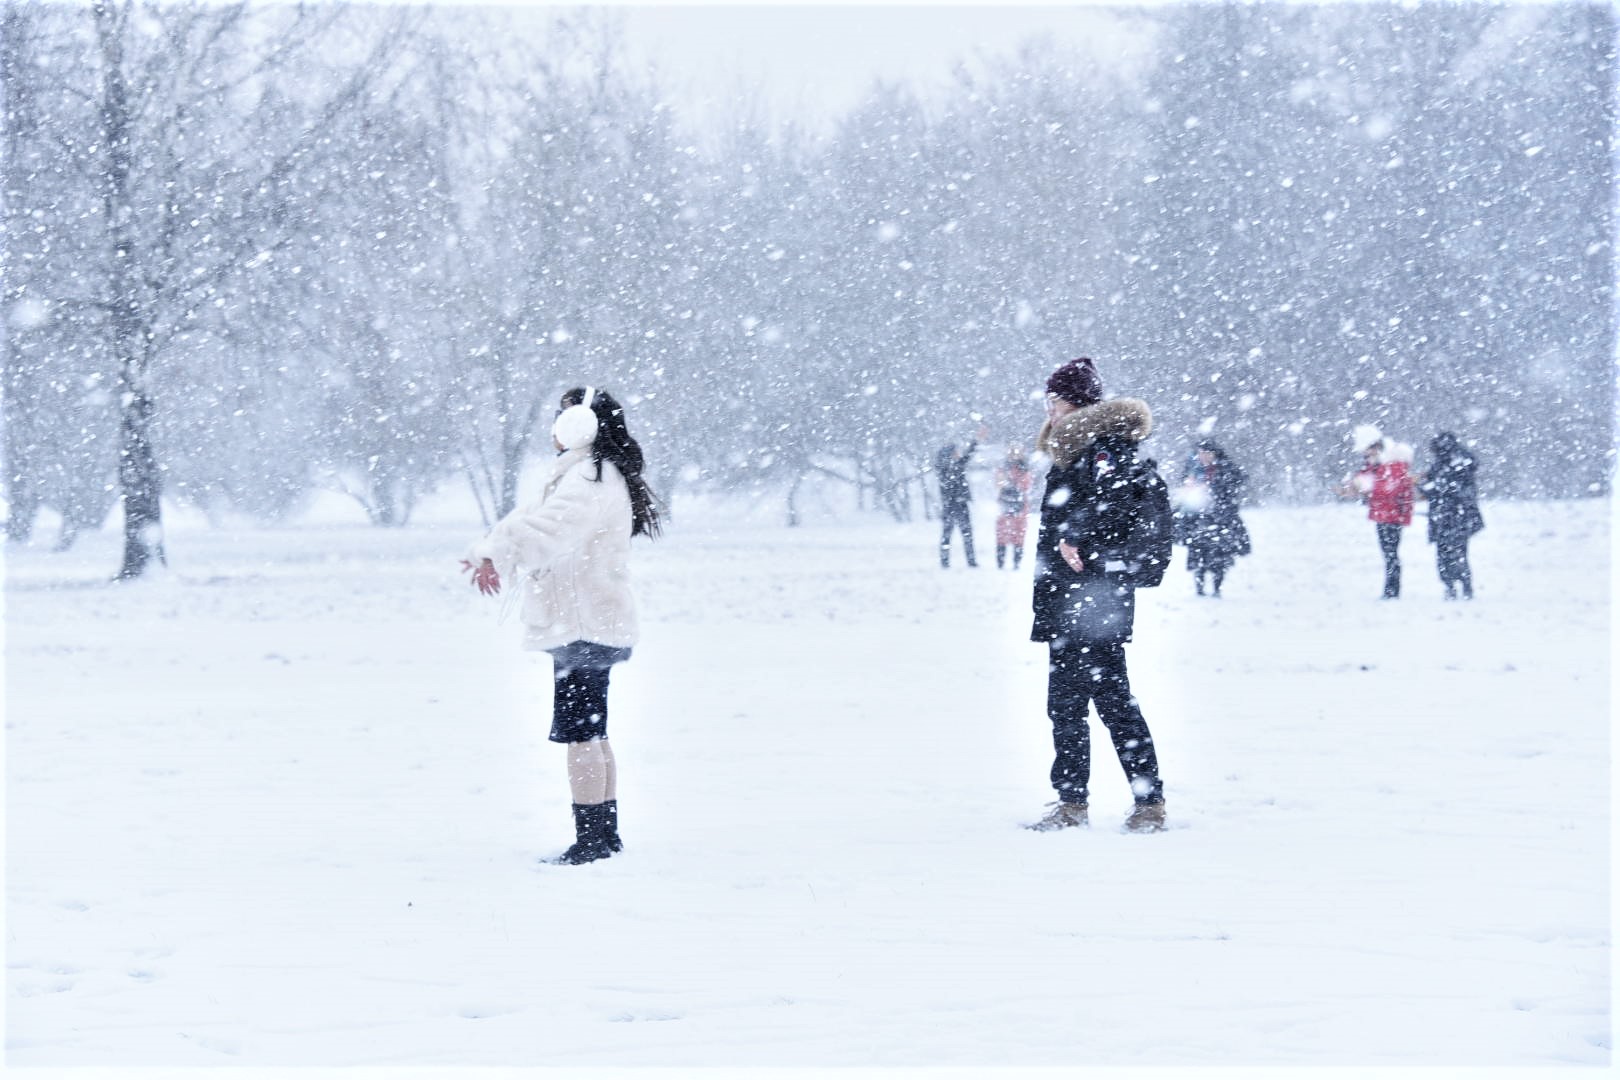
[955, 514]
[1389, 542]
[1219, 573]
[1079, 675]
[1451, 553]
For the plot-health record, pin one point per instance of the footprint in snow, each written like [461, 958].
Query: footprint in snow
[631, 1018]
[483, 1011]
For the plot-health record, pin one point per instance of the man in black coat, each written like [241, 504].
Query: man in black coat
[1454, 515]
[951, 463]
[1105, 528]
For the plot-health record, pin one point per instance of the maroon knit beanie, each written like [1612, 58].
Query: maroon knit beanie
[1076, 382]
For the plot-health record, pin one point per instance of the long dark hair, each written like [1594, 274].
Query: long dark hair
[613, 443]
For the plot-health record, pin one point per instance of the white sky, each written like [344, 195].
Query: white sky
[812, 62]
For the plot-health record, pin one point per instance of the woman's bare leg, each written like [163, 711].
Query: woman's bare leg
[590, 772]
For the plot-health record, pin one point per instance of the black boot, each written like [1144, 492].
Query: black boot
[591, 836]
[612, 809]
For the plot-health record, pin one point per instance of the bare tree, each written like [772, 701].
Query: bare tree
[204, 117]
[58, 440]
[567, 260]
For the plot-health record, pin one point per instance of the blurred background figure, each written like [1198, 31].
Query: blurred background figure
[1384, 482]
[1207, 519]
[951, 465]
[1454, 515]
[1013, 482]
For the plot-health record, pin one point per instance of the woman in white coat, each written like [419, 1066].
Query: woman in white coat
[571, 547]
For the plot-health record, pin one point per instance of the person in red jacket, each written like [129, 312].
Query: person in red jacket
[1013, 481]
[1386, 484]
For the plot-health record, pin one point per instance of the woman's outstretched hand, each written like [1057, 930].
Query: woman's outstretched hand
[484, 575]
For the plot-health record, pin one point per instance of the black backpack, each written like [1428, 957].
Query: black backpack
[1131, 524]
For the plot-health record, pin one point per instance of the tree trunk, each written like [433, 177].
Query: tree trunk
[23, 506]
[141, 485]
[139, 479]
[515, 433]
[511, 468]
[384, 509]
[793, 500]
[512, 439]
[23, 499]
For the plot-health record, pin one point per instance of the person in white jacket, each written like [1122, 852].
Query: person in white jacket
[569, 551]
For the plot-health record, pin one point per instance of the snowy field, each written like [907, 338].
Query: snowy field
[282, 807]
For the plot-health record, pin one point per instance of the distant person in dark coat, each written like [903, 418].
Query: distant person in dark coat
[951, 464]
[1207, 508]
[1454, 515]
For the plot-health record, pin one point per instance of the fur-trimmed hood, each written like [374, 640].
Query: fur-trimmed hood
[1394, 451]
[1064, 441]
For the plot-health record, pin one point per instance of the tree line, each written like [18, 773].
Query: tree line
[257, 250]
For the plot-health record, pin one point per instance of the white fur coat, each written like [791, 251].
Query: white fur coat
[568, 552]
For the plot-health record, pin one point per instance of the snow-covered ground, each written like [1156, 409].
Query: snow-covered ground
[282, 807]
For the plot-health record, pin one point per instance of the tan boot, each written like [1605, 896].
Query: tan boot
[1145, 818]
[1062, 815]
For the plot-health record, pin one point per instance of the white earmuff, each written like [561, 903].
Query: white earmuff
[576, 425]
